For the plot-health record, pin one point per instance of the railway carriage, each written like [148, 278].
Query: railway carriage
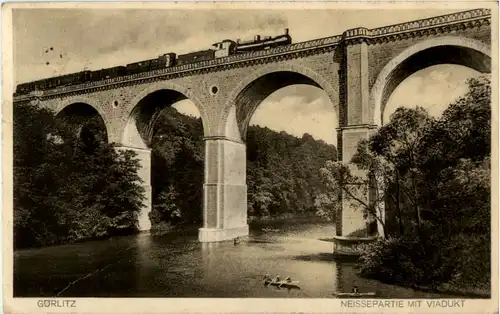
[166, 60]
[221, 49]
[138, 67]
[107, 73]
[40, 85]
[24, 88]
[198, 56]
[69, 79]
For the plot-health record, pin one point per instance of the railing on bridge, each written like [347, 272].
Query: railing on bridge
[448, 19]
[430, 22]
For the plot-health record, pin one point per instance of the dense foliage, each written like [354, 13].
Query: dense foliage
[177, 163]
[281, 171]
[433, 178]
[68, 187]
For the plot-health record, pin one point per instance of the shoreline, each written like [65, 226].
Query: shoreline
[457, 291]
[165, 229]
[443, 288]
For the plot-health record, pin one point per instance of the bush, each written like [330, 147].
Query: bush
[462, 261]
[395, 260]
[468, 258]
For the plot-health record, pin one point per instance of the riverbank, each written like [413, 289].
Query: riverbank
[477, 293]
[447, 288]
[116, 234]
[164, 228]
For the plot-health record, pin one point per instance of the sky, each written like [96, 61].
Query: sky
[99, 38]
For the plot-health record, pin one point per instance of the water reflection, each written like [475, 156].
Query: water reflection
[177, 265]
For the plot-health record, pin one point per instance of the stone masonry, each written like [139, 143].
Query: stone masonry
[358, 70]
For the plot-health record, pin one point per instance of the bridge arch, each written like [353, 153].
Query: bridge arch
[225, 186]
[80, 111]
[148, 105]
[450, 49]
[253, 89]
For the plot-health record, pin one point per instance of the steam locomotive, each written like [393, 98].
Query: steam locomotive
[224, 48]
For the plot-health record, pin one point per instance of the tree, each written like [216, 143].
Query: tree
[282, 172]
[66, 189]
[327, 206]
[166, 205]
[457, 147]
[398, 144]
[464, 130]
[442, 166]
[354, 189]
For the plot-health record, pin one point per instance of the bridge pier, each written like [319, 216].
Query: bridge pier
[352, 228]
[144, 156]
[224, 191]
[356, 124]
[351, 218]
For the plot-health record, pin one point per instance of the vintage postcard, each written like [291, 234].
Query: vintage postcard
[250, 157]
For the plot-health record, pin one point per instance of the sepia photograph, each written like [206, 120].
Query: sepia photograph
[230, 151]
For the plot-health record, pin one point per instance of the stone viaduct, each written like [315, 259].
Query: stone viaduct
[358, 70]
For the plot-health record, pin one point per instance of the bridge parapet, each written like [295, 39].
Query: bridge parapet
[460, 17]
[429, 26]
[356, 32]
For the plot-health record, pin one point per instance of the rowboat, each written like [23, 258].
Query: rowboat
[355, 294]
[270, 230]
[283, 284]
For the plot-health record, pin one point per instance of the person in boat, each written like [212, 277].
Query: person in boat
[277, 278]
[355, 290]
[288, 279]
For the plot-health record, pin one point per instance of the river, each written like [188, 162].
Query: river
[177, 265]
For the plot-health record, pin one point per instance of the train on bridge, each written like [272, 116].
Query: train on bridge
[224, 48]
